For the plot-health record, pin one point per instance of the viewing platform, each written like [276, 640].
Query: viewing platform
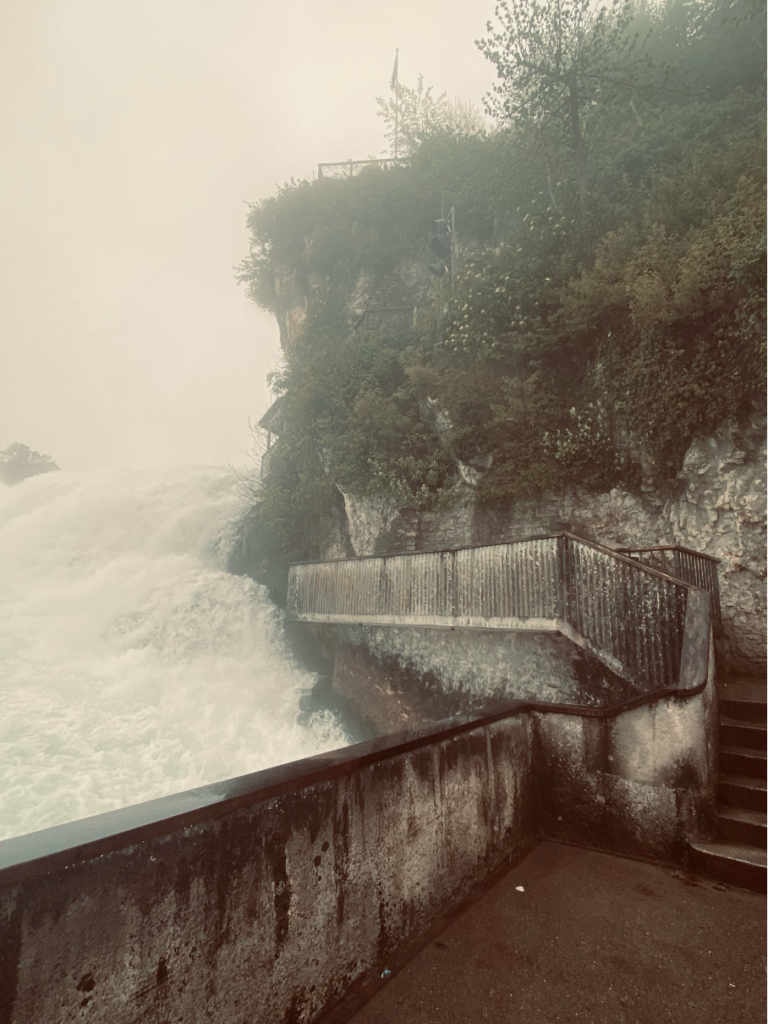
[289, 895]
[581, 937]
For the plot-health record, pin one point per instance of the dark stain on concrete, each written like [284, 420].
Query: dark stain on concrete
[423, 763]
[598, 685]
[295, 1013]
[10, 950]
[161, 975]
[275, 852]
[182, 883]
[51, 900]
[384, 939]
[686, 776]
[596, 745]
[341, 857]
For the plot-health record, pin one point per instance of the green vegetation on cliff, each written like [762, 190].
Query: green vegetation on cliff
[608, 301]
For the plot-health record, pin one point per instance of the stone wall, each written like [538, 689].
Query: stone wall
[717, 506]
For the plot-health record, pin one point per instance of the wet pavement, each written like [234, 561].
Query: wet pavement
[570, 936]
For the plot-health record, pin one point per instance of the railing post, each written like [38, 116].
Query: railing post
[563, 600]
[454, 585]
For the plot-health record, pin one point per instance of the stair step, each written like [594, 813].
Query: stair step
[743, 698]
[742, 791]
[755, 686]
[731, 863]
[743, 761]
[748, 711]
[742, 826]
[736, 733]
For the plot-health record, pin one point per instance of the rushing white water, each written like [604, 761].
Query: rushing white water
[131, 664]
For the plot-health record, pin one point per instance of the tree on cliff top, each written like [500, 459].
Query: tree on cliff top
[561, 66]
[414, 115]
[18, 461]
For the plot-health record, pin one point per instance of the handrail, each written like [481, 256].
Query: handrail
[669, 547]
[684, 564]
[472, 547]
[633, 617]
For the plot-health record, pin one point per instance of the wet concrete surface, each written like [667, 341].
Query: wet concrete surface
[588, 939]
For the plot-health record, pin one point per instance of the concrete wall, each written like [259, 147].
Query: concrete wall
[264, 898]
[269, 912]
[396, 678]
[640, 783]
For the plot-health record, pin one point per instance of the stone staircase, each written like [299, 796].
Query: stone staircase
[739, 857]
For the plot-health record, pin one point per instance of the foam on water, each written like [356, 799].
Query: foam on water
[131, 664]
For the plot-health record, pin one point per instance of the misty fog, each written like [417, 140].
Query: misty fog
[133, 135]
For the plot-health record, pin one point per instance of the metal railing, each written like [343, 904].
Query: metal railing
[349, 168]
[630, 615]
[684, 564]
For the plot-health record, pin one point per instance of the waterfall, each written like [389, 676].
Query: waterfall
[131, 664]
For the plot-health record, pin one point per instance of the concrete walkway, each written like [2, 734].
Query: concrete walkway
[590, 939]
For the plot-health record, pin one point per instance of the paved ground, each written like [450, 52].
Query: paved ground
[591, 939]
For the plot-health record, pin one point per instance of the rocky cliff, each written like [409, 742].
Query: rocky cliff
[384, 295]
[717, 506]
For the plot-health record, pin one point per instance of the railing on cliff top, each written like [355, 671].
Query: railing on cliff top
[632, 617]
[349, 168]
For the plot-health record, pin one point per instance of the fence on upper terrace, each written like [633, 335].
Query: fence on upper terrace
[349, 168]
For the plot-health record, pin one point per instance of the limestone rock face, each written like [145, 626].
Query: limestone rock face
[721, 510]
[381, 295]
[717, 506]
[369, 522]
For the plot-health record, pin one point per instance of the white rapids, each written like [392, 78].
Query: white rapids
[131, 664]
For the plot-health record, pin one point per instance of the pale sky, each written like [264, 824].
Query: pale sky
[132, 133]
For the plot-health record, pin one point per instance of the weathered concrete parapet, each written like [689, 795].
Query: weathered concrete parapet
[261, 899]
[641, 783]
